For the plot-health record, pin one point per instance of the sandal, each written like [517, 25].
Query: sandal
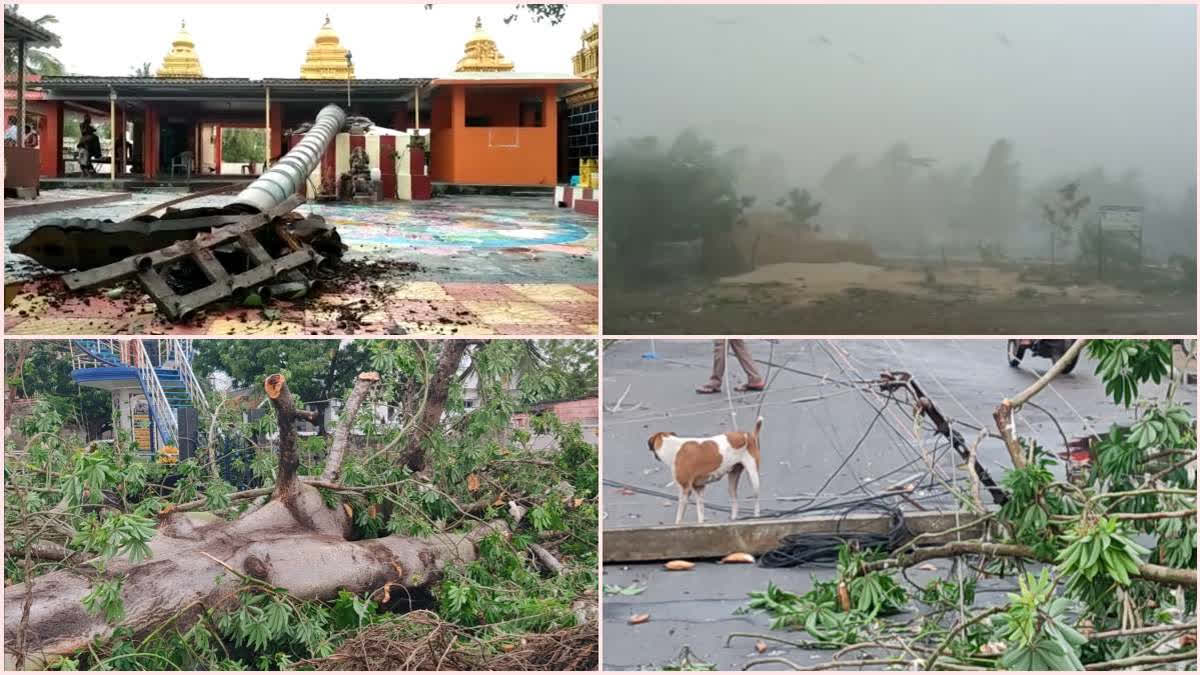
[708, 389]
[748, 387]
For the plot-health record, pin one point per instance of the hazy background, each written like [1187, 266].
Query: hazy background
[1069, 85]
[792, 155]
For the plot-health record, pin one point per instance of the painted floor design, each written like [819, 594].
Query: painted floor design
[452, 266]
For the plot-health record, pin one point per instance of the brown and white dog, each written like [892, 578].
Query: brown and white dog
[696, 462]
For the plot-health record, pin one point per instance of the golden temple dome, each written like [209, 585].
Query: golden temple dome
[181, 61]
[327, 59]
[481, 55]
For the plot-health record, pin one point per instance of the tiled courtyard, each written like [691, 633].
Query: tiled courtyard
[450, 266]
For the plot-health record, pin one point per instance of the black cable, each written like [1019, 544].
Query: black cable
[822, 547]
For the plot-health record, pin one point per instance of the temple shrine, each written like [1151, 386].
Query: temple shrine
[486, 124]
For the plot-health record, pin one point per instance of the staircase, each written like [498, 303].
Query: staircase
[163, 371]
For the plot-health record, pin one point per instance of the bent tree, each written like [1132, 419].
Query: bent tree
[111, 567]
[1103, 567]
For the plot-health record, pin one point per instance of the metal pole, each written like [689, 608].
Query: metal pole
[417, 96]
[267, 144]
[21, 93]
[112, 134]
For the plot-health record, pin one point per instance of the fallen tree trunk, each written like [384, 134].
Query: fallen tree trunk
[294, 541]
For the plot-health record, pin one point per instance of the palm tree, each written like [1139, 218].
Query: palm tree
[38, 61]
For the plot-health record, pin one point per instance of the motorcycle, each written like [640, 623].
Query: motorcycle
[1049, 349]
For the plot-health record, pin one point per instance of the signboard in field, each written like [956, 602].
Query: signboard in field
[1121, 219]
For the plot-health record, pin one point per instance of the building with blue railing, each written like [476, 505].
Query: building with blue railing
[156, 396]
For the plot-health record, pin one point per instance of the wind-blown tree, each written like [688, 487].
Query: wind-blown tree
[683, 193]
[800, 208]
[995, 193]
[1062, 212]
[38, 60]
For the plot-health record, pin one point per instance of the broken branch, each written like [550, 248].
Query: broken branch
[341, 437]
[285, 412]
[1156, 573]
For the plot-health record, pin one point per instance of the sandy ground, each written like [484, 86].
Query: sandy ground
[808, 282]
[863, 299]
[811, 427]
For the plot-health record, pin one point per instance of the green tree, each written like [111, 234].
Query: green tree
[685, 192]
[1061, 213]
[800, 205]
[38, 61]
[243, 145]
[46, 374]
[316, 370]
[143, 70]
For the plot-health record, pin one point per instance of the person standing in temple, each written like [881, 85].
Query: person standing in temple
[10, 132]
[754, 381]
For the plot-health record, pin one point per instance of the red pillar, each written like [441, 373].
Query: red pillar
[458, 107]
[400, 117]
[50, 154]
[150, 141]
[458, 125]
[422, 185]
[387, 165]
[276, 130]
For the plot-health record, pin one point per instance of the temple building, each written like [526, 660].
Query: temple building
[485, 124]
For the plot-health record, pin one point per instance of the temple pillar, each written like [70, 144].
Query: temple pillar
[150, 142]
[400, 117]
[217, 149]
[458, 107]
[50, 154]
[550, 111]
[276, 132]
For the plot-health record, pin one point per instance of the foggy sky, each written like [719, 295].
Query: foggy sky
[1072, 86]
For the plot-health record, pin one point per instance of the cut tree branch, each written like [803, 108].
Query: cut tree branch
[341, 436]
[285, 413]
[431, 415]
[1156, 573]
[1003, 413]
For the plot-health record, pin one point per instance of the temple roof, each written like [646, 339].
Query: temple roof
[481, 54]
[181, 61]
[327, 59]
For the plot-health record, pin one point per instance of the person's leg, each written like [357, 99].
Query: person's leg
[753, 379]
[713, 385]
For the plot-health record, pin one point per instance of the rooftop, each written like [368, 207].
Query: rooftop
[17, 27]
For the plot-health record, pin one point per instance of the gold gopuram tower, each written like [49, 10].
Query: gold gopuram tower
[481, 55]
[181, 61]
[326, 60]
